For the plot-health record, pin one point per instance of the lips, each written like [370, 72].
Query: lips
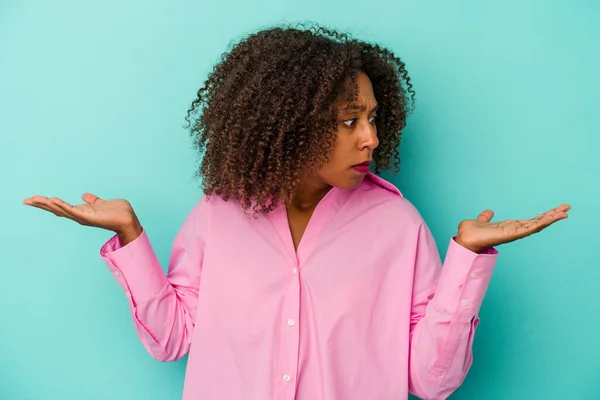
[362, 168]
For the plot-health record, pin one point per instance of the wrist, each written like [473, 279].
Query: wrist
[129, 233]
[467, 246]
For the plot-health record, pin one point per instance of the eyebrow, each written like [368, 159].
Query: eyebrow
[355, 107]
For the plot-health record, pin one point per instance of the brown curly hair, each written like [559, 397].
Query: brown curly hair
[270, 106]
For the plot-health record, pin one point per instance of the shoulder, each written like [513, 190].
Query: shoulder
[213, 205]
[213, 209]
[385, 201]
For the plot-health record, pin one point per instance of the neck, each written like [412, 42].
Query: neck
[309, 194]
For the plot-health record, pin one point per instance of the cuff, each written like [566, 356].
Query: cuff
[135, 267]
[464, 279]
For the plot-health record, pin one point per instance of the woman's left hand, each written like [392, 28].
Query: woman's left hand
[480, 234]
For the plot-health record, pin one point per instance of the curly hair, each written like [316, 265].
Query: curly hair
[269, 109]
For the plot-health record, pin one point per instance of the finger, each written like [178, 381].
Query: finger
[539, 223]
[555, 211]
[33, 199]
[485, 216]
[45, 208]
[66, 214]
[551, 216]
[47, 205]
[530, 226]
[61, 204]
[69, 211]
[50, 205]
[90, 198]
[563, 208]
[40, 202]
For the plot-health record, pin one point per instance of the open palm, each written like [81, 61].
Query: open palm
[114, 215]
[480, 234]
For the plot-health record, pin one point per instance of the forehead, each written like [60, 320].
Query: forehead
[360, 94]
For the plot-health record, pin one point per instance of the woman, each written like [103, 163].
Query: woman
[300, 274]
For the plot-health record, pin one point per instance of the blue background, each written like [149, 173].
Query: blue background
[92, 98]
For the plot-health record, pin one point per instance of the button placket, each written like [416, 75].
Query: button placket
[290, 336]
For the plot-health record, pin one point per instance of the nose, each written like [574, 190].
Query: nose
[368, 138]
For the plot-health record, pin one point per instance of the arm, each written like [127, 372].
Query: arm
[163, 308]
[446, 302]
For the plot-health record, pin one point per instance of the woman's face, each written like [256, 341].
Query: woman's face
[355, 140]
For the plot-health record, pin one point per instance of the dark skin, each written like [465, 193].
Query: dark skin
[356, 140]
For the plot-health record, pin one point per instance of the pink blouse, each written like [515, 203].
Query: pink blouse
[363, 309]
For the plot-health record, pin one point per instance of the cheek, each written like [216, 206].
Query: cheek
[342, 152]
[337, 161]
[331, 170]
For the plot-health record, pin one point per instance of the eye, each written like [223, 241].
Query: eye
[350, 122]
[373, 119]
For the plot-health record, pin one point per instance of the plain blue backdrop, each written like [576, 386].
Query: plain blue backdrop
[93, 96]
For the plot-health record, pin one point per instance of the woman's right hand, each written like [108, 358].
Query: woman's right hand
[115, 215]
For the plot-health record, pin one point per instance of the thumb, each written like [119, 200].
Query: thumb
[90, 198]
[485, 216]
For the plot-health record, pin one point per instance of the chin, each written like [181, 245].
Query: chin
[348, 183]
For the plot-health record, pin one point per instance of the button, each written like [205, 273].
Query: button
[473, 275]
[295, 270]
[464, 302]
[291, 322]
[287, 378]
